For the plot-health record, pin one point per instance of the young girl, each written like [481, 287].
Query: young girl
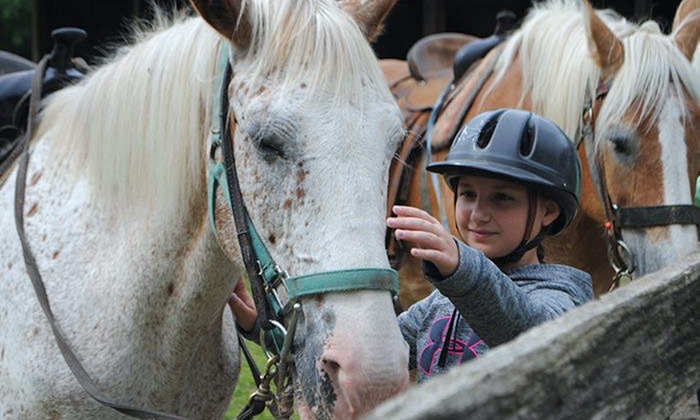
[516, 179]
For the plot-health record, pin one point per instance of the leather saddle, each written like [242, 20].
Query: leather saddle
[417, 82]
[16, 83]
[10, 63]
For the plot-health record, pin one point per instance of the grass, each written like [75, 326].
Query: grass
[246, 386]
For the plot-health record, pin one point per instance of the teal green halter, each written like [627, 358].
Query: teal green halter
[274, 291]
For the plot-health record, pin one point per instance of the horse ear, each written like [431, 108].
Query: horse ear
[369, 15]
[686, 27]
[227, 17]
[606, 49]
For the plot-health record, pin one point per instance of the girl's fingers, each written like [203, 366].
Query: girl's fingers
[413, 212]
[422, 239]
[241, 294]
[411, 223]
[436, 257]
[415, 223]
[405, 228]
[245, 314]
[443, 261]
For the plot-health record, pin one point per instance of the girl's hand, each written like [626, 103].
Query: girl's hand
[243, 306]
[430, 240]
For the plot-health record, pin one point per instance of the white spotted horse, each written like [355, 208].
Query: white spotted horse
[124, 212]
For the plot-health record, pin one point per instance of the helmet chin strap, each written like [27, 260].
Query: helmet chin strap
[526, 244]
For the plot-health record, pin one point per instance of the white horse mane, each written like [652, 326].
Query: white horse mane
[556, 63]
[145, 145]
[299, 38]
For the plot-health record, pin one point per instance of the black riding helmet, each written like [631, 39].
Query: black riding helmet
[521, 147]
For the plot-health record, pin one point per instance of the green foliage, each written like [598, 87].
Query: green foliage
[16, 26]
[246, 386]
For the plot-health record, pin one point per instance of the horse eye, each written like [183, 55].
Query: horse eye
[271, 148]
[620, 145]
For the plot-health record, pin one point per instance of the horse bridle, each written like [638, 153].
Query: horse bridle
[617, 217]
[276, 294]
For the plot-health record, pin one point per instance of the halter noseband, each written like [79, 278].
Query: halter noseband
[276, 294]
[617, 218]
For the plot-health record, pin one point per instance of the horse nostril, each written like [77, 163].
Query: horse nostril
[331, 367]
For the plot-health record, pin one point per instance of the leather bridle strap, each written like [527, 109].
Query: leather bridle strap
[679, 214]
[244, 229]
[69, 356]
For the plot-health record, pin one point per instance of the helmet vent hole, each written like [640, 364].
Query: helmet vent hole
[526, 142]
[485, 134]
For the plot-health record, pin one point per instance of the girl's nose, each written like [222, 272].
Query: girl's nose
[480, 212]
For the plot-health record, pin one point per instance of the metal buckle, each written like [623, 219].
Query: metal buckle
[281, 276]
[587, 121]
[263, 341]
[213, 148]
[621, 258]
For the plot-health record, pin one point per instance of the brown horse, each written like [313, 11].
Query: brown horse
[626, 94]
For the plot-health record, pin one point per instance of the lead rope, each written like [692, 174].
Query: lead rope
[32, 269]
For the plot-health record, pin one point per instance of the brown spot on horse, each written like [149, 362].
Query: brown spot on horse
[36, 177]
[32, 211]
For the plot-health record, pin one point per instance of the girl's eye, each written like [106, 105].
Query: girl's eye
[502, 197]
[468, 194]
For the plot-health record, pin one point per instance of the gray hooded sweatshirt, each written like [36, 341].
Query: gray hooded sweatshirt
[484, 307]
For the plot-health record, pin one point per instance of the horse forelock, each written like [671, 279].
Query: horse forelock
[654, 71]
[312, 42]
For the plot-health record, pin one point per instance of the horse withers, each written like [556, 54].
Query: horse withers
[117, 215]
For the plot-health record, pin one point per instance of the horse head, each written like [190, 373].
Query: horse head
[645, 134]
[314, 129]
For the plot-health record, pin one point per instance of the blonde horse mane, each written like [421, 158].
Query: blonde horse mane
[312, 37]
[137, 124]
[557, 67]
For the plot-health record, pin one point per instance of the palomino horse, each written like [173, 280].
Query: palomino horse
[116, 213]
[643, 141]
